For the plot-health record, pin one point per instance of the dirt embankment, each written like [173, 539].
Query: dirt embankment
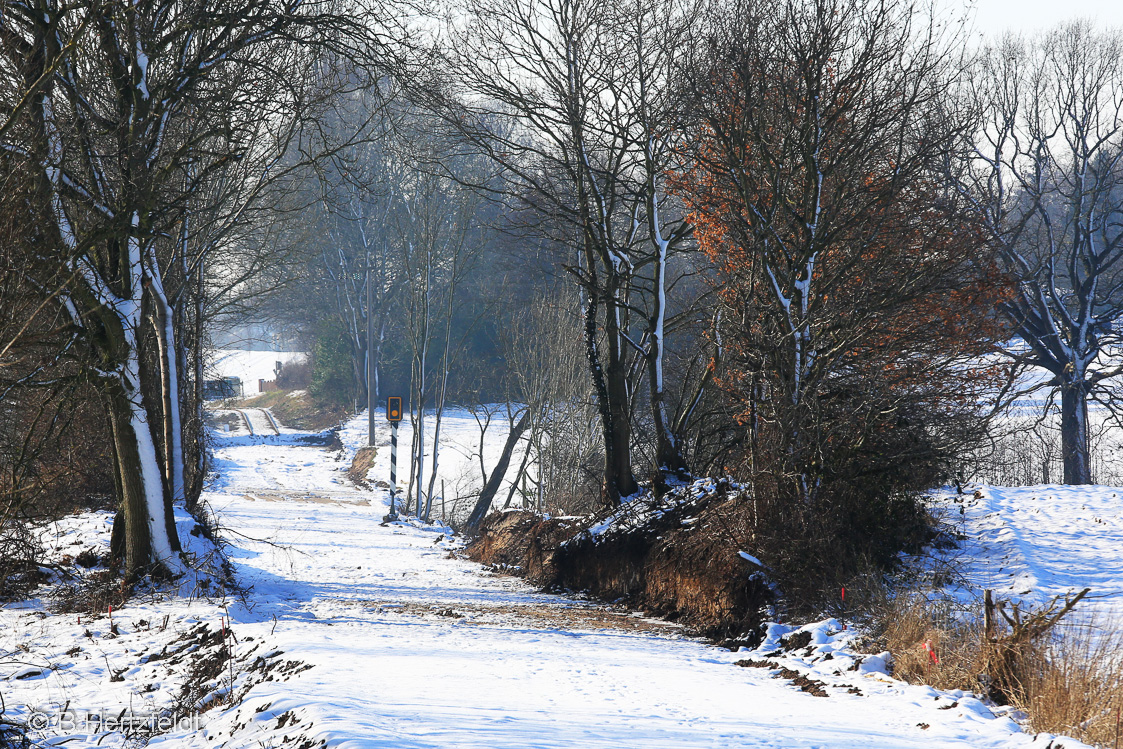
[297, 409]
[361, 465]
[677, 557]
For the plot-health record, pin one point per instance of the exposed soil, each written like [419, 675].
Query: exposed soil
[682, 563]
[574, 617]
[805, 683]
[361, 465]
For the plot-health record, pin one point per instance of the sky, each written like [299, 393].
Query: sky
[992, 17]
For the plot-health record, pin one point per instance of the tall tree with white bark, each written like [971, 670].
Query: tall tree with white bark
[120, 133]
[574, 100]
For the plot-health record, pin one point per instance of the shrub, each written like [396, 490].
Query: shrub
[332, 378]
[1077, 687]
[1066, 676]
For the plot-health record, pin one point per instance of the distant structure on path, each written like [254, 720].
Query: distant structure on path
[255, 371]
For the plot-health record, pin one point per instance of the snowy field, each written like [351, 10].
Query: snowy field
[358, 634]
[1033, 543]
[459, 472]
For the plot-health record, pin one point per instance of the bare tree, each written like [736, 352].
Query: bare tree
[1043, 170]
[499, 472]
[120, 136]
[357, 253]
[576, 100]
[846, 272]
[440, 233]
[543, 350]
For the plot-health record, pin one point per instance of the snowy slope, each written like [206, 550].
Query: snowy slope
[1036, 542]
[410, 646]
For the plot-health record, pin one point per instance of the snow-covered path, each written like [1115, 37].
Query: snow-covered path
[357, 634]
[413, 647]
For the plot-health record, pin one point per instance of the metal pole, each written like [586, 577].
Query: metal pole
[393, 467]
[371, 395]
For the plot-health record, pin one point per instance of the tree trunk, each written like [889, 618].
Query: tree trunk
[377, 364]
[619, 459]
[1074, 433]
[618, 479]
[483, 504]
[520, 474]
[132, 506]
[441, 398]
[669, 461]
[149, 547]
[117, 549]
[169, 389]
[192, 500]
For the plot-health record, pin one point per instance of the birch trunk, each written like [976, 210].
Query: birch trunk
[669, 460]
[169, 385]
[151, 544]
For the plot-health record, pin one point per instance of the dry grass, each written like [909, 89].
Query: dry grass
[1076, 688]
[1069, 683]
[911, 620]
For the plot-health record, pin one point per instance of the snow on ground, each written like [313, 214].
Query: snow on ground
[251, 367]
[359, 634]
[1035, 542]
[457, 459]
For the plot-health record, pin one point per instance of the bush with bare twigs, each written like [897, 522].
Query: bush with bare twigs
[20, 557]
[12, 735]
[1066, 677]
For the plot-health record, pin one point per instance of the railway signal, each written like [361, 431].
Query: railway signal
[394, 416]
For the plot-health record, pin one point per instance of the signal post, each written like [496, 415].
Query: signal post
[394, 416]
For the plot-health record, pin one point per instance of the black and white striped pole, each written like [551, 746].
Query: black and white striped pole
[394, 416]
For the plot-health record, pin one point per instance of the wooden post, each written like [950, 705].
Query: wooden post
[988, 616]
